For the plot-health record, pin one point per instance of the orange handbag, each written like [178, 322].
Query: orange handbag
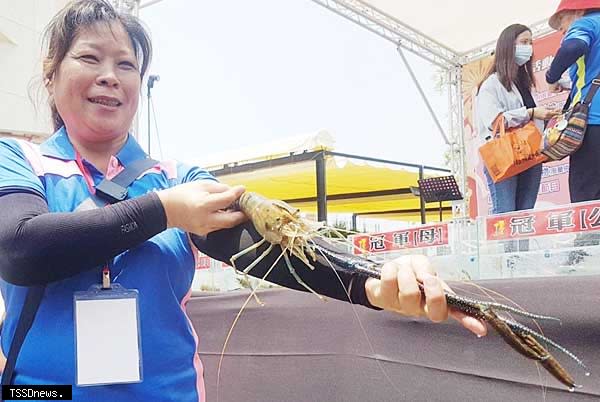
[512, 150]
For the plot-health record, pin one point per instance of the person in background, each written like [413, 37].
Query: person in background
[579, 22]
[507, 90]
[53, 235]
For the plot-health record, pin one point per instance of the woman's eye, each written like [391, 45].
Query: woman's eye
[128, 65]
[89, 58]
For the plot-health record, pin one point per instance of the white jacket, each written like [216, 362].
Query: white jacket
[494, 99]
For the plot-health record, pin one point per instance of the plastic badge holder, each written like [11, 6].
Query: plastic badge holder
[107, 336]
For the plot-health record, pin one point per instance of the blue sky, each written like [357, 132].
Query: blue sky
[237, 73]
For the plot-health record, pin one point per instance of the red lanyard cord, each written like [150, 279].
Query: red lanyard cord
[86, 173]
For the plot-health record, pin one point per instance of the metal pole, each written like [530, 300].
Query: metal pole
[423, 96]
[151, 80]
[461, 143]
[396, 163]
[321, 188]
[354, 223]
[149, 90]
[421, 200]
[456, 121]
[149, 3]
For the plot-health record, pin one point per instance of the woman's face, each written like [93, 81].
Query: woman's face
[524, 38]
[96, 85]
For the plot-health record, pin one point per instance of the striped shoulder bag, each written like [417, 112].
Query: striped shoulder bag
[564, 133]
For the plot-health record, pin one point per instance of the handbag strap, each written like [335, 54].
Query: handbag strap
[112, 191]
[499, 124]
[592, 91]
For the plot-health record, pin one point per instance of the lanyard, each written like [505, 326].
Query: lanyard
[89, 181]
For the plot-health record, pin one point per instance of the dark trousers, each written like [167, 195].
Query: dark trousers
[584, 169]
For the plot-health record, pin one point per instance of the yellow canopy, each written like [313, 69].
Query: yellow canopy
[353, 186]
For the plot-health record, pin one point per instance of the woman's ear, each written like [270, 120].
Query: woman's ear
[49, 84]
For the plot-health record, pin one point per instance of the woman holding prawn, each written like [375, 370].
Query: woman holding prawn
[54, 234]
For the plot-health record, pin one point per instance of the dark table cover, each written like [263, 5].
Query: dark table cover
[299, 348]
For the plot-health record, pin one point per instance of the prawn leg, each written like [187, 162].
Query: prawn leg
[297, 277]
[249, 267]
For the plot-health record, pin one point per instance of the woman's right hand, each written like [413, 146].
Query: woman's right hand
[544, 113]
[201, 207]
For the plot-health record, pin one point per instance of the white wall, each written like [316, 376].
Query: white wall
[21, 26]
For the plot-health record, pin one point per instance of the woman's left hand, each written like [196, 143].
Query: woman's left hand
[398, 290]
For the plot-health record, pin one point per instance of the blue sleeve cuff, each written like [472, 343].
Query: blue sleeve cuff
[16, 172]
[570, 50]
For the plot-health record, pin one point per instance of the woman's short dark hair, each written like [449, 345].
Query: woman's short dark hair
[64, 27]
[504, 64]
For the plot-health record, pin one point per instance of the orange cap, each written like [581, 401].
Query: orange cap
[566, 5]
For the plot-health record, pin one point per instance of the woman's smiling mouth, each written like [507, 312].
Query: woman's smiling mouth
[105, 101]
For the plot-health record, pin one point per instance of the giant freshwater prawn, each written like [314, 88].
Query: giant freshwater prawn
[281, 225]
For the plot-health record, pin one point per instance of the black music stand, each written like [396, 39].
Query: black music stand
[439, 189]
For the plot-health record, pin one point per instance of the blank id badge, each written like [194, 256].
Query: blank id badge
[107, 336]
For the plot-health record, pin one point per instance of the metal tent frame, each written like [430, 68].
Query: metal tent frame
[405, 37]
[451, 62]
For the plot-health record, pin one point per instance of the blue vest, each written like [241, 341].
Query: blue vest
[161, 269]
[587, 29]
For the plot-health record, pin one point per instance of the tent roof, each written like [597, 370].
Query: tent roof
[319, 140]
[464, 25]
[353, 187]
[286, 170]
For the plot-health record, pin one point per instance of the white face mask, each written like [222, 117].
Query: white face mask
[523, 54]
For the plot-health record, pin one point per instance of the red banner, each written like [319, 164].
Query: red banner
[202, 261]
[573, 218]
[424, 236]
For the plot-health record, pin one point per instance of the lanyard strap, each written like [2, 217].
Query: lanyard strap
[115, 190]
